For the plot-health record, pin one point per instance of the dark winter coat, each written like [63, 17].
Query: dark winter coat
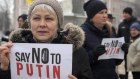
[80, 66]
[102, 69]
[124, 29]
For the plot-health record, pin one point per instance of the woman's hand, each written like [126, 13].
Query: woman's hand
[4, 55]
[72, 77]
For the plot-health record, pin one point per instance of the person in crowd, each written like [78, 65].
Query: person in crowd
[110, 19]
[133, 56]
[124, 31]
[128, 19]
[45, 19]
[21, 20]
[96, 28]
[25, 25]
[22, 23]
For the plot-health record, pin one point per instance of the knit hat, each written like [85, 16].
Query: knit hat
[92, 7]
[52, 3]
[128, 10]
[23, 16]
[135, 25]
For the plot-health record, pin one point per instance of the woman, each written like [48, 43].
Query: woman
[21, 20]
[133, 56]
[45, 20]
[96, 28]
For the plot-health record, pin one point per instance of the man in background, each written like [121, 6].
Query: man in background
[124, 31]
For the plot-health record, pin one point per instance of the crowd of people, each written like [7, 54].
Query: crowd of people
[43, 24]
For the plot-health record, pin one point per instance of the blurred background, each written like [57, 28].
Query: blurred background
[73, 11]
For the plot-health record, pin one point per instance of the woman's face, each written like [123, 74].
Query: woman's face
[100, 18]
[44, 25]
[20, 22]
[134, 32]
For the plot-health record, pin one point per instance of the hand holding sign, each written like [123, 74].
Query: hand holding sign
[72, 77]
[97, 51]
[125, 47]
[4, 55]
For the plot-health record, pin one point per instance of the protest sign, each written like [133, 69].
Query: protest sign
[40, 61]
[113, 48]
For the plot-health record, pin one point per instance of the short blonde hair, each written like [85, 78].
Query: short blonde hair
[44, 7]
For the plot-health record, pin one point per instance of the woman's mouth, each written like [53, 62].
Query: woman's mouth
[42, 32]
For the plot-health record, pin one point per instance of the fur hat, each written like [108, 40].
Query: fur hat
[52, 3]
[128, 10]
[92, 7]
[135, 25]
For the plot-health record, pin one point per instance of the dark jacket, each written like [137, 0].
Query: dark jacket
[80, 66]
[102, 69]
[124, 29]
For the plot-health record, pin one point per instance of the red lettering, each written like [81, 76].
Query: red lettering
[19, 67]
[114, 50]
[111, 50]
[39, 70]
[107, 51]
[56, 72]
[47, 71]
[118, 49]
[53, 71]
[29, 69]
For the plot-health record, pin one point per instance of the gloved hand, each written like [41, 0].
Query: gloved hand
[97, 51]
[125, 47]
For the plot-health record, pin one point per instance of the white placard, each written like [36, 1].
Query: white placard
[41, 61]
[113, 48]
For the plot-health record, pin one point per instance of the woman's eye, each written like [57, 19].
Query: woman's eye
[36, 18]
[49, 18]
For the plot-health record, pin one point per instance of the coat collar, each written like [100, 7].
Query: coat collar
[75, 35]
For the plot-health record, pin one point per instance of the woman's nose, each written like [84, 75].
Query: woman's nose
[105, 15]
[42, 23]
